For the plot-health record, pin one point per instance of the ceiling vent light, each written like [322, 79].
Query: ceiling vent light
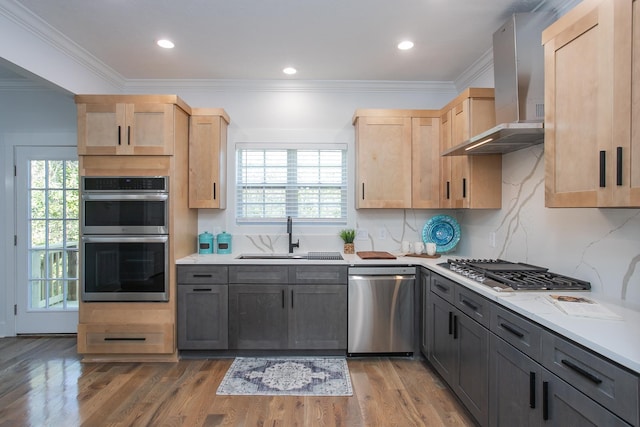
[166, 44]
[405, 45]
[290, 71]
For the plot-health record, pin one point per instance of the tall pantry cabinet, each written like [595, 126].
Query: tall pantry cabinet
[137, 135]
[592, 106]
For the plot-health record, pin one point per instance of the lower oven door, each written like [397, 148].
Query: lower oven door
[125, 268]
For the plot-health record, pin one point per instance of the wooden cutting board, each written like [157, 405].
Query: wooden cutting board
[375, 255]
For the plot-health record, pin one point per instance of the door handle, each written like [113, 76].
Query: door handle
[545, 400]
[450, 323]
[532, 390]
[619, 166]
[603, 168]
[119, 135]
[455, 327]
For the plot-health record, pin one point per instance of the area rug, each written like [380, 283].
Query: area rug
[300, 376]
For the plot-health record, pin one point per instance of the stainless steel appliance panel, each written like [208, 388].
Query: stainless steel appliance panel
[125, 268]
[381, 310]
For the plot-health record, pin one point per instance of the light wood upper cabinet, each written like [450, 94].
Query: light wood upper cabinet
[425, 154]
[397, 158]
[592, 98]
[475, 181]
[446, 199]
[383, 162]
[127, 124]
[207, 158]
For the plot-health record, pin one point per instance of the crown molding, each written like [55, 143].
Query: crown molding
[27, 20]
[478, 68]
[232, 85]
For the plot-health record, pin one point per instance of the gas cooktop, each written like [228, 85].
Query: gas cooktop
[509, 276]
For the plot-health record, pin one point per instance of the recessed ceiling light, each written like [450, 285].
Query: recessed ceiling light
[167, 44]
[405, 45]
[289, 70]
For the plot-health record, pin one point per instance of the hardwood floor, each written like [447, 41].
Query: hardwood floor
[43, 383]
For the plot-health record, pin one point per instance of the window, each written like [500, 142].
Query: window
[305, 183]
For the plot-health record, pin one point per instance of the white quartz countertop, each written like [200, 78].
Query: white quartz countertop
[618, 340]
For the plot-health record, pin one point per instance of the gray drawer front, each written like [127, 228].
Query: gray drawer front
[259, 274]
[603, 381]
[473, 305]
[443, 287]
[318, 274]
[517, 331]
[196, 274]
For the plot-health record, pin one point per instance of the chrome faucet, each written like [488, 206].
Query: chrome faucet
[289, 231]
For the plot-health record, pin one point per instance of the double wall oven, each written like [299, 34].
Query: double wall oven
[125, 238]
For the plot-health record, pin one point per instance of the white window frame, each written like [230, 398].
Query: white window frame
[291, 187]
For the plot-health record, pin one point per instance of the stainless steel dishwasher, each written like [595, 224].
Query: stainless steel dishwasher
[381, 310]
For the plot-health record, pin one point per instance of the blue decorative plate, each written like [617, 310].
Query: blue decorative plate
[442, 230]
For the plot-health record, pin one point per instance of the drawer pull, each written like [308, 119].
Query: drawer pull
[470, 305]
[125, 339]
[545, 400]
[202, 275]
[442, 287]
[202, 290]
[588, 375]
[512, 330]
[532, 390]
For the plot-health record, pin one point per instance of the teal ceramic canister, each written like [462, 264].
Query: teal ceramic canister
[224, 243]
[205, 243]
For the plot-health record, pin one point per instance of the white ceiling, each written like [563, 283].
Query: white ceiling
[256, 39]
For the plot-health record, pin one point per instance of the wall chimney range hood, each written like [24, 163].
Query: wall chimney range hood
[518, 70]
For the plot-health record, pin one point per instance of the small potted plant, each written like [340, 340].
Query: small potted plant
[347, 236]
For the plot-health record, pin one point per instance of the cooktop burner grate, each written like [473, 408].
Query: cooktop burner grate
[518, 276]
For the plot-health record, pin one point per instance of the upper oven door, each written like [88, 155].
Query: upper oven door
[125, 213]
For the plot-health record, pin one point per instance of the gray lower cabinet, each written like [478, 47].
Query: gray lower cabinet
[202, 319]
[539, 378]
[258, 317]
[459, 347]
[288, 307]
[318, 317]
[425, 322]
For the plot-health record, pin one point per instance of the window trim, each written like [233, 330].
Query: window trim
[344, 187]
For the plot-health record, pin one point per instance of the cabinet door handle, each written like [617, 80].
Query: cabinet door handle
[455, 327]
[451, 323]
[291, 298]
[470, 305]
[363, 191]
[119, 135]
[448, 190]
[125, 339]
[619, 166]
[532, 390]
[202, 275]
[128, 135]
[588, 375]
[603, 168]
[283, 298]
[214, 191]
[512, 330]
[464, 188]
[545, 400]
[202, 290]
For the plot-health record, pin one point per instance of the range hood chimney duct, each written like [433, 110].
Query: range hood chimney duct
[518, 70]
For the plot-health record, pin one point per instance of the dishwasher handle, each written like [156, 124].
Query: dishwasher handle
[378, 277]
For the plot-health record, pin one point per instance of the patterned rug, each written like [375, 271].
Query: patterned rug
[300, 376]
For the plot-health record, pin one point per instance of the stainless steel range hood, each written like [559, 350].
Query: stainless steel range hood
[518, 70]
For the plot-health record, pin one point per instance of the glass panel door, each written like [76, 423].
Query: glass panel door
[47, 239]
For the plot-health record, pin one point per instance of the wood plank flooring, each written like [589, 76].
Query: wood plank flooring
[43, 383]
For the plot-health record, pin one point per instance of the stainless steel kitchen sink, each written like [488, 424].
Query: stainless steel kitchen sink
[314, 256]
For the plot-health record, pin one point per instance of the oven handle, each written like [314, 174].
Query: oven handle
[115, 197]
[125, 239]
